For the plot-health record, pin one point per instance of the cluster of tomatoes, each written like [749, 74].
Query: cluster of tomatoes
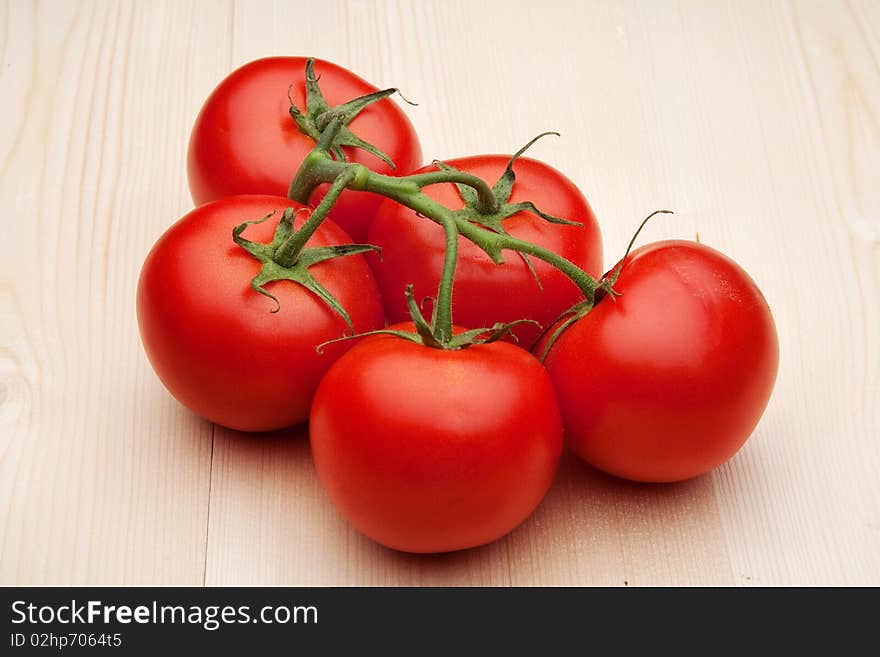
[434, 445]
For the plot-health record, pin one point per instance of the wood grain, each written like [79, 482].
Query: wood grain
[758, 122]
[103, 477]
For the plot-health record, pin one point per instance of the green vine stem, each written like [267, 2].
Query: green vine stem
[326, 164]
[443, 316]
[486, 201]
[318, 167]
[290, 250]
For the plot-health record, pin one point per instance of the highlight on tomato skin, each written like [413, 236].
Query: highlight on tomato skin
[429, 450]
[244, 140]
[215, 343]
[668, 380]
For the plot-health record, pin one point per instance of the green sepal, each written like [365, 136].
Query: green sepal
[426, 333]
[567, 318]
[298, 271]
[406, 335]
[318, 114]
[502, 190]
[528, 206]
[354, 107]
[427, 336]
[487, 335]
[504, 186]
[314, 97]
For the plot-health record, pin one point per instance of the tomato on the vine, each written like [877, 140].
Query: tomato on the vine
[433, 450]
[669, 379]
[485, 293]
[245, 142]
[216, 343]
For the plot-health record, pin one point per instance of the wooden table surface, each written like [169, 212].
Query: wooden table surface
[758, 121]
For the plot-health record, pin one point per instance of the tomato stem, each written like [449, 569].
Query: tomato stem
[479, 221]
[606, 285]
[493, 243]
[320, 167]
[289, 251]
[443, 316]
[486, 201]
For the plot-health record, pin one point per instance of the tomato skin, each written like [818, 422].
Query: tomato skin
[425, 450]
[668, 380]
[245, 142]
[212, 339]
[485, 293]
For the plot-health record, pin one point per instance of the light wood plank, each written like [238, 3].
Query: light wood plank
[103, 477]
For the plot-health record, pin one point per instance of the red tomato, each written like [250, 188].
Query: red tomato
[426, 450]
[245, 142]
[214, 341]
[485, 293]
[668, 380]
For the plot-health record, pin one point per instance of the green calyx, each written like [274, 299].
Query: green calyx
[502, 191]
[474, 212]
[285, 258]
[565, 320]
[428, 335]
[318, 114]
[604, 288]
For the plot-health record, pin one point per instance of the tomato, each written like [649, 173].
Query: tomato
[214, 341]
[668, 380]
[485, 293]
[430, 450]
[245, 142]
